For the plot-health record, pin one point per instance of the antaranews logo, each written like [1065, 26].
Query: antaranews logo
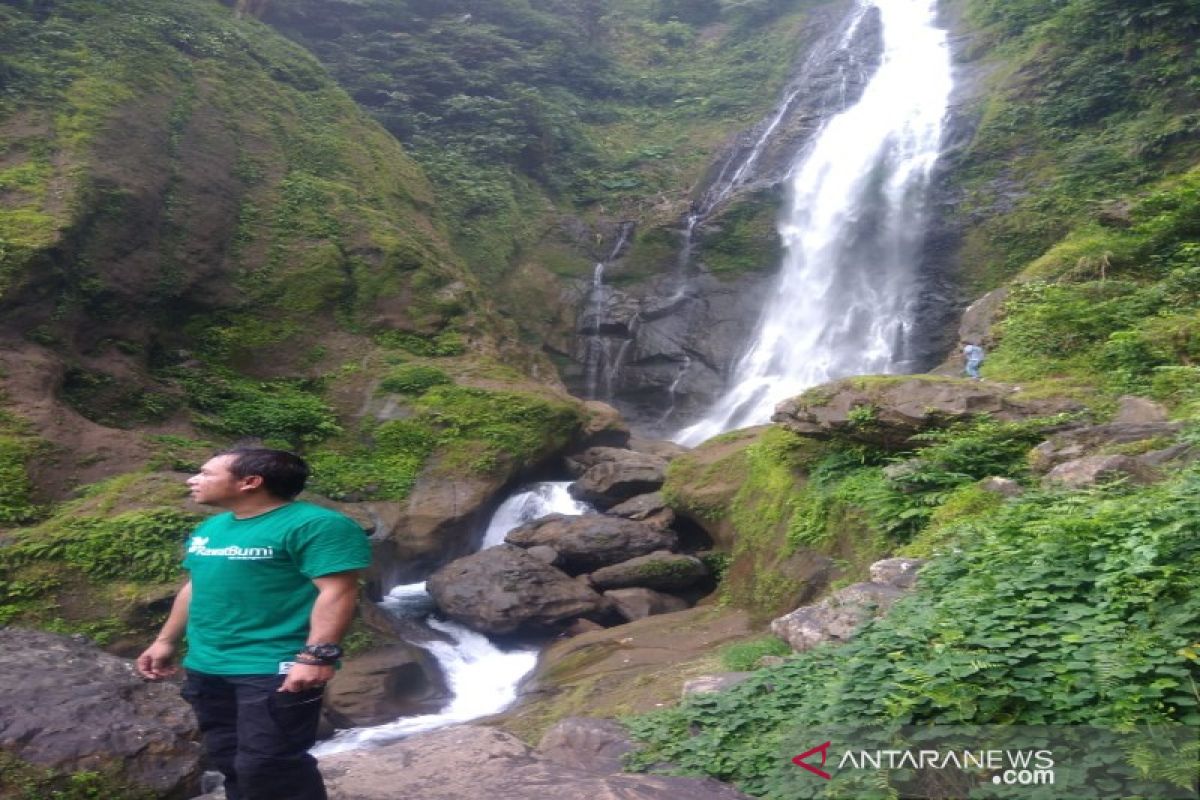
[198, 545]
[823, 749]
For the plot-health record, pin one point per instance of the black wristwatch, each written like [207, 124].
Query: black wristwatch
[322, 653]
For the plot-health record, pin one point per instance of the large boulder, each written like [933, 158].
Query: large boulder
[504, 589]
[659, 570]
[72, 707]
[889, 411]
[466, 761]
[835, 618]
[587, 543]
[627, 474]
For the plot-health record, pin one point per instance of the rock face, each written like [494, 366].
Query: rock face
[475, 762]
[835, 618]
[504, 589]
[888, 412]
[663, 571]
[70, 706]
[587, 543]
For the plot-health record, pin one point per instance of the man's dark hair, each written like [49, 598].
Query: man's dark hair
[284, 474]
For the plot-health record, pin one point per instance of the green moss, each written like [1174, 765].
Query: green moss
[80, 568]
[21, 780]
[474, 430]
[745, 655]
[744, 238]
[413, 379]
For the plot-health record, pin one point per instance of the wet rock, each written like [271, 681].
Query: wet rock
[467, 761]
[504, 589]
[383, 685]
[889, 411]
[626, 475]
[662, 448]
[836, 618]
[70, 706]
[1091, 470]
[661, 570]
[898, 572]
[634, 604]
[588, 543]
[711, 684]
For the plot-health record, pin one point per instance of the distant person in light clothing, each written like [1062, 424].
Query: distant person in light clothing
[974, 355]
[272, 591]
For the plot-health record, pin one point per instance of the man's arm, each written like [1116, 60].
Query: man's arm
[332, 613]
[158, 660]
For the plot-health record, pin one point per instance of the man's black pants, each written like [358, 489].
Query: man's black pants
[258, 737]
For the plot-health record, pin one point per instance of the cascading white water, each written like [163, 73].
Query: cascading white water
[481, 677]
[598, 359]
[851, 231]
[549, 497]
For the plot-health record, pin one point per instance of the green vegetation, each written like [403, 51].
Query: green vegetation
[1090, 100]
[20, 780]
[1053, 609]
[414, 379]
[745, 238]
[18, 446]
[289, 412]
[471, 430]
[507, 102]
[122, 534]
[1117, 309]
[746, 655]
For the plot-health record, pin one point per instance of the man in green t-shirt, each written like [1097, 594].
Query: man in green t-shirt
[272, 590]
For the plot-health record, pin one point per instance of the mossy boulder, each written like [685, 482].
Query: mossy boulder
[888, 411]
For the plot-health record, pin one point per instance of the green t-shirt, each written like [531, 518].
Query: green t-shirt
[252, 589]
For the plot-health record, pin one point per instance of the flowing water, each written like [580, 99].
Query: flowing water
[600, 361]
[851, 231]
[482, 678]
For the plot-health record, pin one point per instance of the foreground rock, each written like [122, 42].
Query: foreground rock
[468, 762]
[504, 589]
[629, 669]
[889, 411]
[70, 706]
[588, 543]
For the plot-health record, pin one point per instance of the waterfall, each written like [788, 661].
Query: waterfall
[599, 361]
[482, 678]
[851, 231]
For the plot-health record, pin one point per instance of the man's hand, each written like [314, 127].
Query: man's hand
[307, 676]
[158, 661]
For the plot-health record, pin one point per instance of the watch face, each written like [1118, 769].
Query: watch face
[327, 652]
